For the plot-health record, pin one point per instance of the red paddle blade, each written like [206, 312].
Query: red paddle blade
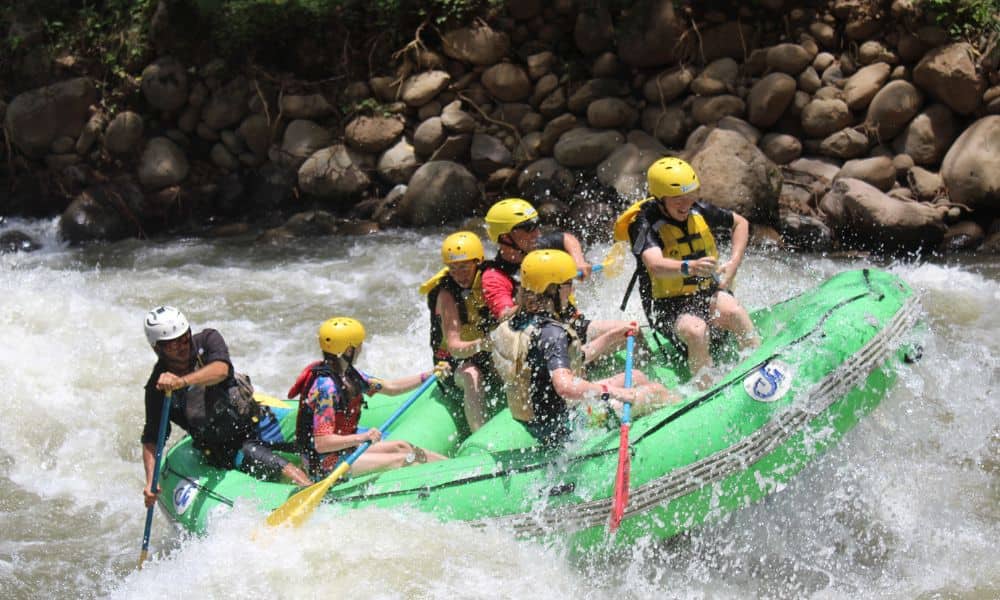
[620, 500]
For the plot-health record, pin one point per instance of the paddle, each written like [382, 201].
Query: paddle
[161, 438]
[620, 499]
[297, 509]
[612, 263]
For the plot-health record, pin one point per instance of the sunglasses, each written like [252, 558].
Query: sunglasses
[527, 226]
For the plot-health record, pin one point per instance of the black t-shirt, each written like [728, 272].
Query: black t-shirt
[209, 346]
[548, 351]
[715, 217]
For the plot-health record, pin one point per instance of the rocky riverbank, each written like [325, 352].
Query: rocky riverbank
[851, 125]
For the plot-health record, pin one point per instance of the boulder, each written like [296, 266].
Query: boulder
[736, 175]
[808, 80]
[820, 118]
[971, 168]
[963, 236]
[540, 64]
[781, 147]
[865, 217]
[102, 212]
[719, 77]
[846, 143]
[592, 90]
[864, 84]
[38, 117]
[17, 241]
[421, 88]
[926, 186]
[668, 85]
[625, 168]
[227, 105]
[892, 108]
[440, 191]
[301, 140]
[479, 44]
[651, 35]
[456, 120]
[751, 133]
[611, 113]
[507, 82]
[453, 148]
[769, 98]
[373, 134]
[788, 58]
[583, 147]
[708, 110]
[731, 39]
[548, 172]
[878, 171]
[223, 158]
[928, 136]
[949, 74]
[165, 84]
[124, 133]
[667, 125]
[398, 163]
[334, 172]
[162, 164]
[554, 129]
[255, 133]
[429, 136]
[488, 154]
[805, 232]
[305, 106]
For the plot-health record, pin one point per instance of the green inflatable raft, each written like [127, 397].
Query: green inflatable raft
[827, 358]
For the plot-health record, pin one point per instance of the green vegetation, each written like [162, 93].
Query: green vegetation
[965, 19]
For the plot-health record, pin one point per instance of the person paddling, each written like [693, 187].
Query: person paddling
[331, 396]
[458, 317]
[540, 357]
[225, 423]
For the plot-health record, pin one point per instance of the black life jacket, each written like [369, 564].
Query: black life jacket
[221, 417]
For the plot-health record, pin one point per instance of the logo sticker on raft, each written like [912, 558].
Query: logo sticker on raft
[770, 382]
[184, 495]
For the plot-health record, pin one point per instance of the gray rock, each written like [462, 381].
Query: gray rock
[892, 108]
[719, 77]
[398, 163]
[971, 168]
[846, 143]
[820, 118]
[488, 154]
[668, 85]
[479, 44]
[781, 147]
[162, 164]
[421, 88]
[301, 140]
[373, 134]
[708, 110]
[429, 136]
[38, 117]
[583, 147]
[308, 106]
[878, 171]
[949, 73]
[788, 58]
[165, 84]
[667, 125]
[507, 82]
[256, 134]
[454, 148]
[735, 174]
[928, 136]
[440, 191]
[227, 105]
[334, 172]
[769, 98]
[611, 113]
[124, 133]
[863, 85]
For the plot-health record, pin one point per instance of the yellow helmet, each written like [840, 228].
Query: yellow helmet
[671, 177]
[506, 214]
[338, 334]
[461, 246]
[542, 268]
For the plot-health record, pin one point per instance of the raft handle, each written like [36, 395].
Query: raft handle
[563, 488]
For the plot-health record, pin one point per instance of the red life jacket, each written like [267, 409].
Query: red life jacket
[347, 411]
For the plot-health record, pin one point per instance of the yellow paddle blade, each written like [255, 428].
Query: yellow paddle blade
[297, 509]
[615, 260]
[265, 400]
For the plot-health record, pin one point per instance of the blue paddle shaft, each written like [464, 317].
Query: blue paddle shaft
[629, 351]
[392, 418]
[160, 439]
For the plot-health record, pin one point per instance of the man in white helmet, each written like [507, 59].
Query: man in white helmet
[225, 423]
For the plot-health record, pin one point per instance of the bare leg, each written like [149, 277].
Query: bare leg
[470, 380]
[729, 314]
[297, 475]
[694, 333]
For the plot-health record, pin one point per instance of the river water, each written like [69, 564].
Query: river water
[906, 506]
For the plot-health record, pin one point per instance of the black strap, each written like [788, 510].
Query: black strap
[628, 290]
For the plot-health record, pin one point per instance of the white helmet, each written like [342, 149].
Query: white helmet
[165, 323]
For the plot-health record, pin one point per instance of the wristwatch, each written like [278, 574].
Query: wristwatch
[410, 458]
[605, 395]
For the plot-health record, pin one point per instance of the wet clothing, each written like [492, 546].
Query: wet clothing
[499, 285]
[528, 348]
[472, 315]
[664, 298]
[222, 419]
[327, 408]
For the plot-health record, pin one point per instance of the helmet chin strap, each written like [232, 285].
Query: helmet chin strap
[512, 244]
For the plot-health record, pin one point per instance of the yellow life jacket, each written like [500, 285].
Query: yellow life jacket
[470, 303]
[692, 242]
[627, 218]
[510, 355]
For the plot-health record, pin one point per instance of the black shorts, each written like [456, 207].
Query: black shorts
[665, 312]
[258, 459]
